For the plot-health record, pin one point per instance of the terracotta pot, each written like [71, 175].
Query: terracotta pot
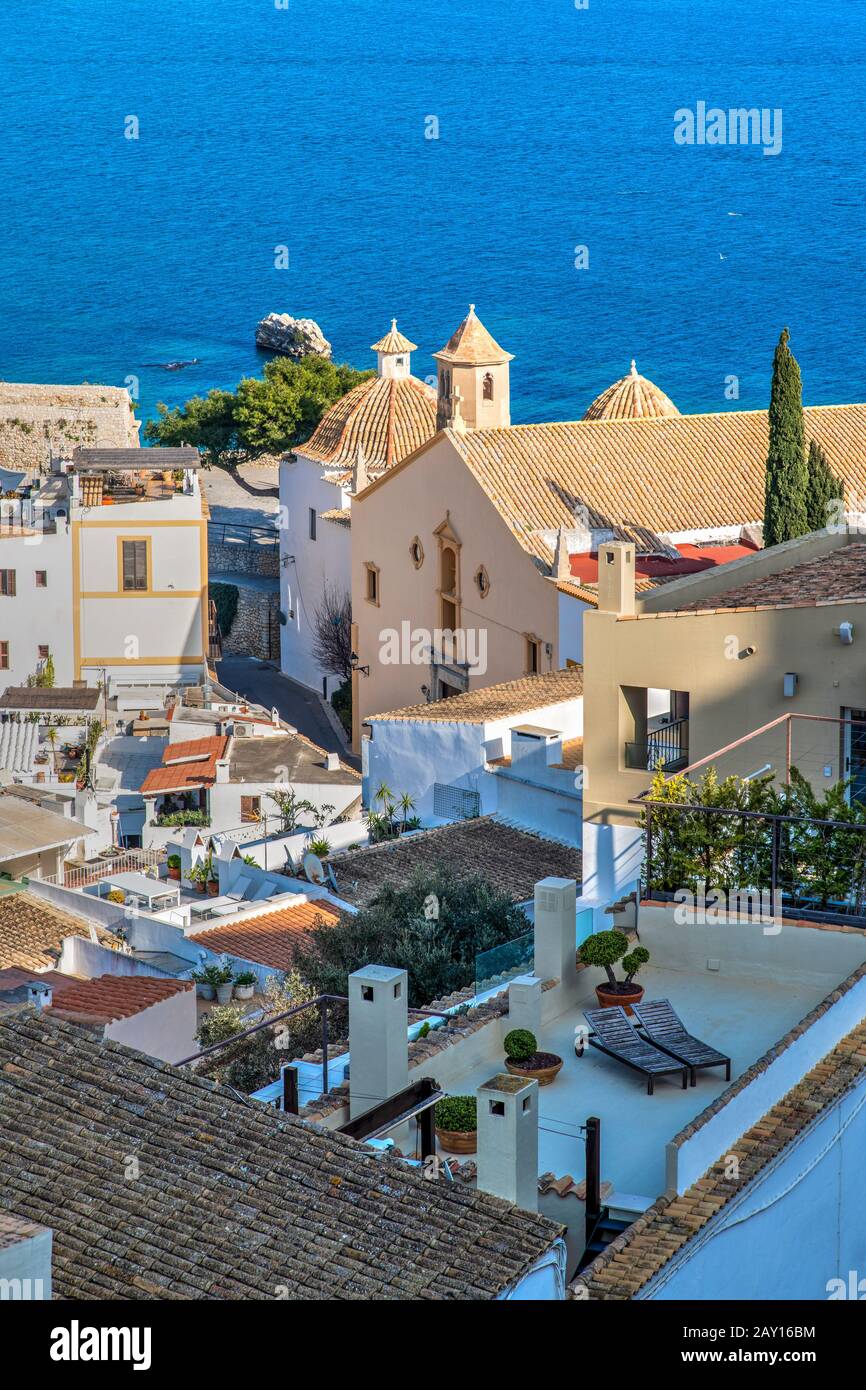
[174, 873]
[213, 887]
[608, 998]
[457, 1141]
[543, 1075]
[198, 886]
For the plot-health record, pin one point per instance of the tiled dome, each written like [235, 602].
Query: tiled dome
[633, 397]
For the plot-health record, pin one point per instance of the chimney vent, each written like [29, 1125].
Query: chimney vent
[616, 578]
[378, 1036]
[508, 1139]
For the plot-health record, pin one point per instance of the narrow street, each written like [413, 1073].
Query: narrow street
[264, 684]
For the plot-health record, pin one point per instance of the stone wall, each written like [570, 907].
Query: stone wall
[34, 420]
[256, 628]
[230, 557]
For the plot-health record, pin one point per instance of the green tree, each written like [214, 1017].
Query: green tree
[433, 926]
[207, 423]
[785, 485]
[281, 409]
[822, 488]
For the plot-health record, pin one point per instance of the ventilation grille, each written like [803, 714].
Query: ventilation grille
[455, 803]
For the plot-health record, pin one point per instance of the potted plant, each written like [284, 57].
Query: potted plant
[245, 985]
[213, 884]
[116, 895]
[173, 865]
[198, 876]
[203, 987]
[604, 950]
[221, 977]
[522, 1057]
[457, 1124]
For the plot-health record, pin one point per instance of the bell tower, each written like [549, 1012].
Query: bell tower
[473, 373]
[393, 354]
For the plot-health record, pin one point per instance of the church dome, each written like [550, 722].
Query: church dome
[633, 397]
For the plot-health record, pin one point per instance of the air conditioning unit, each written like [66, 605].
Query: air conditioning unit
[241, 730]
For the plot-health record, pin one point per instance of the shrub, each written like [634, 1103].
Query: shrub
[246, 977]
[606, 948]
[116, 896]
[220, 1024]
[520, 1045]
[457, 1114]
[173, 861]
[225, 597]
[321, 847]
[433, 927]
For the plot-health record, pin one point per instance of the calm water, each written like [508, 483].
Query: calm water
[304, 127]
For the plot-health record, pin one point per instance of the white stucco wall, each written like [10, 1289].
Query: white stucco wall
[165, 1030]
[801, 1224]
[307, 565]
[37, 617]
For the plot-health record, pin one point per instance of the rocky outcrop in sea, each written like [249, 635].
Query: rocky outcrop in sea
[292, 337]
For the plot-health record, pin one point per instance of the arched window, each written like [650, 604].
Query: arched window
[488, 386]
[445, 385]
[448, 581]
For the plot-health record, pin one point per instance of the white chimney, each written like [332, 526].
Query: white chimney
[524, 1003]
[39, 995]
[555, 929]
[332, 762]
[221, 767]
[508, 1139]
[378, 1036]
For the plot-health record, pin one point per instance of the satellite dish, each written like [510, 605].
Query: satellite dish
[314, 869]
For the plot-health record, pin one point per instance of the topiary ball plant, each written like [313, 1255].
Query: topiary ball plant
[457, 1115]
[520, 1045]
[605, 949]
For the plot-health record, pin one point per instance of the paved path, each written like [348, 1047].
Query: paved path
[265, 685]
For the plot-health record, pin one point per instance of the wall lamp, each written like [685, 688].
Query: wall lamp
[356, 666]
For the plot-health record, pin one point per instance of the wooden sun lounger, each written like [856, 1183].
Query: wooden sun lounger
[615, 1036]
[663, 1027]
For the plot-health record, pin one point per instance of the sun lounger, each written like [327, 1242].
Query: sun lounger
[663, 1027]
[615, 1036]
[240, 889]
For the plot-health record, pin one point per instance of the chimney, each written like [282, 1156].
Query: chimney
[555, 929]
[616, 578]
[561, 561]
[332, 762]
[524, 1003]
[221, 767]
[508, 1139]
[39, 995]
[378, 1036]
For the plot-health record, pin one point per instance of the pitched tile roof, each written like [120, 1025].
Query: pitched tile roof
[393, 341]
[386, 417]
[31, 932]
[636, 1256]
[669, 474]
[495, 701]
[471, 345]
[233, 1200]
[510, 858]
[110, 997]
[632, 397]
[186, 766]
[839, 575]
[271, 937]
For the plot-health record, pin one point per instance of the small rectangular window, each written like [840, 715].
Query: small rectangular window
[134, 565]
[533, 656]
[4, 656]
[7, 583]
[312, 523]
[372, 584]
[251, 809]
[42, 579]
[44, 652]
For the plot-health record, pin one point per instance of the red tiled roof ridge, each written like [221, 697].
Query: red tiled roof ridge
[106, 998]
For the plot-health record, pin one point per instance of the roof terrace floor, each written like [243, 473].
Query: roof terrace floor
[741, 1017]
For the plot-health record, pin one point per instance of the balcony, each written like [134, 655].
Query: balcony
[667, 745]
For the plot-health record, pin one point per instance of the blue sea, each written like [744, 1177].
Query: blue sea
[304, 126]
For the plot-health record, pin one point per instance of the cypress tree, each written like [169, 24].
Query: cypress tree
[822, 488]
[786, 478]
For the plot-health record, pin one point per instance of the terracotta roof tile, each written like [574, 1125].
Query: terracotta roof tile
[31, 932]
[495, 701]
[386, 417]
[109, 997]
[471, 345]
[394, 341]
[186, 766]
[633, 397]
[512, 859]
[669, 474]
[270, 938]
[233, 1201]
[839, 575]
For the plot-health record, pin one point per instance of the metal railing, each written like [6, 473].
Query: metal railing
[94, 871]
[669, 744]
[238, 533]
